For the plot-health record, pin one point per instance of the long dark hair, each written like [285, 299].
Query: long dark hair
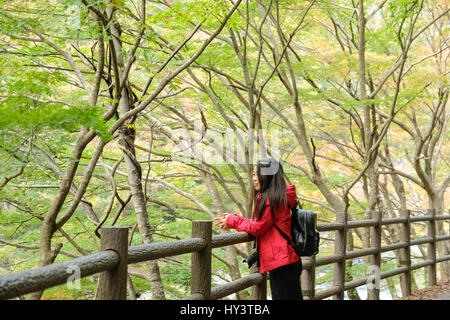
[272, 186]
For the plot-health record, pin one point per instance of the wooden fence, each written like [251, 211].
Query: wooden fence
[115, 255]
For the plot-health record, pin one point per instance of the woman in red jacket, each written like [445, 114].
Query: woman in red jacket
[273, 200]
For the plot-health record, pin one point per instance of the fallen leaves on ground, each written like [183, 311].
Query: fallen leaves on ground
[439, 291]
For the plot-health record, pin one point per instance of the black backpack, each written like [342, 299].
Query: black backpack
[305, 237]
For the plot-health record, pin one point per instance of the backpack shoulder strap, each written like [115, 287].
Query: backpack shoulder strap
[284, 235]
[297, 205]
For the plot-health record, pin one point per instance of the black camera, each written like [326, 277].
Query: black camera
[251, 259]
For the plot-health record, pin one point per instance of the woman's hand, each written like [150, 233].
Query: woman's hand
[222, 221]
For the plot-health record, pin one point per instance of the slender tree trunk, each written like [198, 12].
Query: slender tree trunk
[134, 171]
[232, 259]
[443, 247]
[353, 293]
[366, 134]
[393, 231]
[46, 254]
[127, 136]
[391, 286]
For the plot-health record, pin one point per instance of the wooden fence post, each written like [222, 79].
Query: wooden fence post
[201, 261]
[113, 283]
[405, 253]
[375, 260]
[308, 278]
[340, 243]
[431, 251]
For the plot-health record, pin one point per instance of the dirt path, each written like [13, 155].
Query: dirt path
[440, 291]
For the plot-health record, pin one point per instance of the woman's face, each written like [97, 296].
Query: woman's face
[255, 179]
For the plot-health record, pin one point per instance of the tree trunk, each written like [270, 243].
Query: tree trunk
[443, 247]
[392, 289]
[353, 293]
[46, 254]
[127, 136]
[134, 171]
[218, 207]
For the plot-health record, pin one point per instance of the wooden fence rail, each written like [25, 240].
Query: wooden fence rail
[112, 261]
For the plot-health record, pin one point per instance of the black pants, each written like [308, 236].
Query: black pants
[285, 282]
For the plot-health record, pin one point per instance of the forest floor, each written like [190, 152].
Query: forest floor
[440, 291]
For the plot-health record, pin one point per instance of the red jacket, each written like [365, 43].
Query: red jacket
[274, 251]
